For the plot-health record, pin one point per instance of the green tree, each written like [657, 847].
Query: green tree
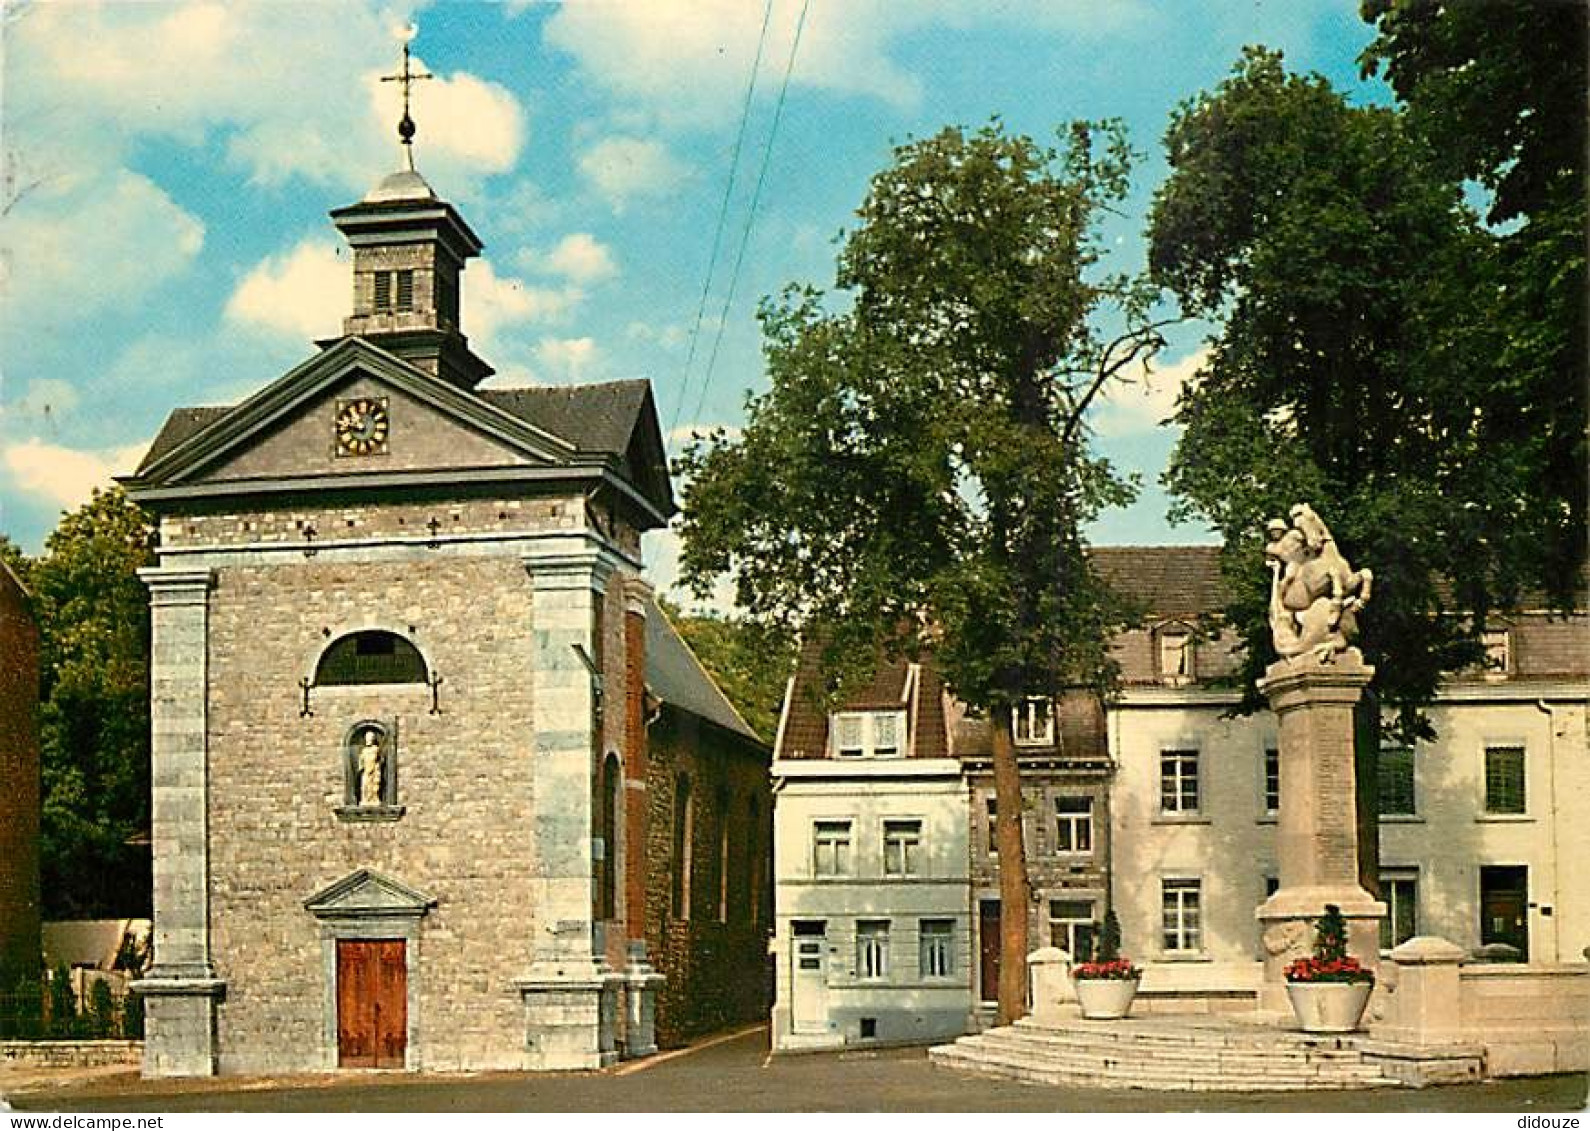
[1356, 367]
[917, 476]
[750, 662]
[1497, 91]
[93, 614]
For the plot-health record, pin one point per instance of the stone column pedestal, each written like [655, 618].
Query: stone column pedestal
[1317, 840]
[180, 1037]
[570, 1016]
[1424, 1007]
[641, 983]
[1053, 996]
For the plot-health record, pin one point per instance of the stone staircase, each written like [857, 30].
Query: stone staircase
[1170, 1054]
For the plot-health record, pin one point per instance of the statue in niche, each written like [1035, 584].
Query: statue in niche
[1314, 594]
[371, 764]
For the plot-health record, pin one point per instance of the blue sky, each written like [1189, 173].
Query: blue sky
[169, 167]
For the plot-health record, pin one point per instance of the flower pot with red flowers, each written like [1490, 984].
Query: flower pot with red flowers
[1107, 983]
[1330, 990]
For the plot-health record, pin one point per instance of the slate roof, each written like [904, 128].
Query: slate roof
[598, 419]
[674, 675]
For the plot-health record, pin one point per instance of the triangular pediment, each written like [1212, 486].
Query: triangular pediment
[367, 894]
[287, 428]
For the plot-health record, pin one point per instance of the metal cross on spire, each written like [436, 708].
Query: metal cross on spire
[408, 78]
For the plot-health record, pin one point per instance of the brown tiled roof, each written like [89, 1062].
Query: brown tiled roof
[1168, 581]
[805, 733]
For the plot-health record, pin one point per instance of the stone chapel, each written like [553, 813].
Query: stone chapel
[405, 809]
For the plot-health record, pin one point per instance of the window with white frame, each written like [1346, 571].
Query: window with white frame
[936, 948]
[902, 848]
[1073, 824]
[1032, 722]
[1394, 778]
[1272, 781]
[1399, 891]
[1498, 653]
[1178, 781]
[1072, 927]
[1181, 902]
[1175, 655]
[831, 848]
[872, 948]
[868, 734]
[1504, 779]
[992, 808]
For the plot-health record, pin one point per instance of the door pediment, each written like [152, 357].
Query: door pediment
[365, 894]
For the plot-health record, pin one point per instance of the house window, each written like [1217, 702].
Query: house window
[936, 948]
[370, 657]
[1272, 781]
[1182, 918]
[1395, 776]
[1178, 781]
[1032, 722]
[1073, 824]
[1498, 654]
[868, 734]
[1072, 927]
[993, 824]
[831, 848]
[1399, 890]
[1175, 656]
[872, 948]
[1504, 779]
[902, 848]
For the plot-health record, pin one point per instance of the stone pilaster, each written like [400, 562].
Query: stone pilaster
[570, 993]
[1317, 835]
[181, 988]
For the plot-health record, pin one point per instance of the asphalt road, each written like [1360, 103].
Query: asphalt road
[736, 1075]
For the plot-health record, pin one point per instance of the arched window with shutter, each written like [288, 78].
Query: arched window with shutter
[372, 656]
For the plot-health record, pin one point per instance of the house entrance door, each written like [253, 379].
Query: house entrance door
[988, 948]
[1504, 906]
[809, 977]
[372, 1003]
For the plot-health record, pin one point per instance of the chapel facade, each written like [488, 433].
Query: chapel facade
[401, 687]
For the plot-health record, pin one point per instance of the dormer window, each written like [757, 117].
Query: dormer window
[1498, 654]
[868, 734]
[1175, 655]
[1032, 722]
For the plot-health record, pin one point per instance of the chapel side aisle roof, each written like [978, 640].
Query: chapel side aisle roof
[676, 677]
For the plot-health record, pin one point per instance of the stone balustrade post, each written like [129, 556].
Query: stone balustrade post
[1052, 992]
[1424, 1007]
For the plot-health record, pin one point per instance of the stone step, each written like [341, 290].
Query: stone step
[1197, 1036]
[1134, 1057]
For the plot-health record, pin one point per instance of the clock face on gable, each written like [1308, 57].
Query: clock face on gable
[362, 426]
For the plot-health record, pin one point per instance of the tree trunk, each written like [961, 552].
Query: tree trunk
[1013, 889]
[1366, 774]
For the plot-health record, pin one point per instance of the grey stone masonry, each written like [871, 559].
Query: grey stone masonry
[570, 992]
[181, 989]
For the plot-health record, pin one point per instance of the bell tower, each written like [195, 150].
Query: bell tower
[409, 250]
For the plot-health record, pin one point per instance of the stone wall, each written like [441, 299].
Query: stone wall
[714, 952]
[19, 769]
[465, 780]
[71, 1054]
[1533, 1020]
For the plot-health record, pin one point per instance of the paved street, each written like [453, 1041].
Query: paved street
[736, 1075]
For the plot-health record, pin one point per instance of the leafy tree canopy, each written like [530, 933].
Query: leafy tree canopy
[93, 614]
[1358, 368]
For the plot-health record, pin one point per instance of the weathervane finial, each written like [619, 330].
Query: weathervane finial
[408, 78]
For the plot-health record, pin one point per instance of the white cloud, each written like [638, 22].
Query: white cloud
[66, 477]
[583, 258]
[686, 62]
[494, 304]
[567, 359]
[291, 90]
[622, 169]
[44, 397]
[669, 337]
[77, 245]
[302, 293]
[1141, 401]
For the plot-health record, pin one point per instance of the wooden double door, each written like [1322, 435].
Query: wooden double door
[372, 1003]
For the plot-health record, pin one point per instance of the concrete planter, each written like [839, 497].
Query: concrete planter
[1105, 999]
[1329, 1007]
